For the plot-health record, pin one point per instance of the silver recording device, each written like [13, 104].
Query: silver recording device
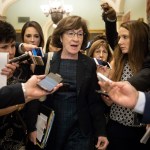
[36, 57]
[20, 58]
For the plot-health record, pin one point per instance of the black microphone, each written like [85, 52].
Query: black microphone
[20, 58]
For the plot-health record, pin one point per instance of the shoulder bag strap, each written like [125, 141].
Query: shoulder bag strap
[49, 58]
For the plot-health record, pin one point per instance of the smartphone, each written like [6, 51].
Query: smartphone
[102, 63]
[50, 81]
[101, 77]
[37, 52]
[21, 58]
[37, 60]
[103, 93]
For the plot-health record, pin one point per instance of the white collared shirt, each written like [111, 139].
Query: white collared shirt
[140, 105]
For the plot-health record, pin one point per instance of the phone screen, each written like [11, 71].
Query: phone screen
[37, 52]
[50, 81]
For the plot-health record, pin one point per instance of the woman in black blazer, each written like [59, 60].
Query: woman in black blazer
[79, 112]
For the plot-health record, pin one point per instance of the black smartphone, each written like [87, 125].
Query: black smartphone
[21, 58]
[103, 93]
[102, 63]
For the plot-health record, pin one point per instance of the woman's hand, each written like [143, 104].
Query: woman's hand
[102, 143]
[32, 137]
[104, 70]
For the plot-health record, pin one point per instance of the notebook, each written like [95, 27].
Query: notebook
[44, 124]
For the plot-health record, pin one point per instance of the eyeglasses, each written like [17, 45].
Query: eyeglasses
[72, 34]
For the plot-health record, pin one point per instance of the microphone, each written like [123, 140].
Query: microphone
[20, 58]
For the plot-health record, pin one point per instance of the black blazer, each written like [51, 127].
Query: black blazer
[146, 114]
[89, 105]
[11, 95]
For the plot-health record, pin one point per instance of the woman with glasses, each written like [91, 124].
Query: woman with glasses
[100, 49]
[102, 53]
[79, 113]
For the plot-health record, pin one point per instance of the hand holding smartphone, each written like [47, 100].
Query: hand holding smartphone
[102, 63]
[37, 54]
[50, 81]
[101, 77]
[102, 93]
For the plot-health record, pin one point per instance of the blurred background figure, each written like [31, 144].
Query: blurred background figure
[49, 46]
[32, 33]
[100, 49]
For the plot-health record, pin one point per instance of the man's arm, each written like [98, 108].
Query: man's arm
[143, 107]
[146, 113]
[11, 95]
[23, 93]
[23, 47]
[124, 94]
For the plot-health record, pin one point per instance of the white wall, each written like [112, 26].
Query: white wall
[137, 8]
[88, 9]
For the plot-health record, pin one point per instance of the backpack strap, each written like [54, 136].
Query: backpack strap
[49, 58]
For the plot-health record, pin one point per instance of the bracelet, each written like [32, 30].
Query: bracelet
[24, 90]
[20, 48]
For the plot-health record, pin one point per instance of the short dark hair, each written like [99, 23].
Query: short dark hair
[35, 25]
[7, 32]
[69, 23]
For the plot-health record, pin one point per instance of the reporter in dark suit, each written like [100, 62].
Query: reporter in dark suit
[19, 93]
[124, 94]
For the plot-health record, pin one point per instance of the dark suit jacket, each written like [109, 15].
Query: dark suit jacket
[11, 95]
[146, 114]
[89, 105]
[17, 49]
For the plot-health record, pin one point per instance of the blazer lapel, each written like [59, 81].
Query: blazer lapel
[81, 67]
[80, 70]
[55, 62]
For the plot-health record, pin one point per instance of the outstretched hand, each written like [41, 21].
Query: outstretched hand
[121, 93]
[33, 91]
